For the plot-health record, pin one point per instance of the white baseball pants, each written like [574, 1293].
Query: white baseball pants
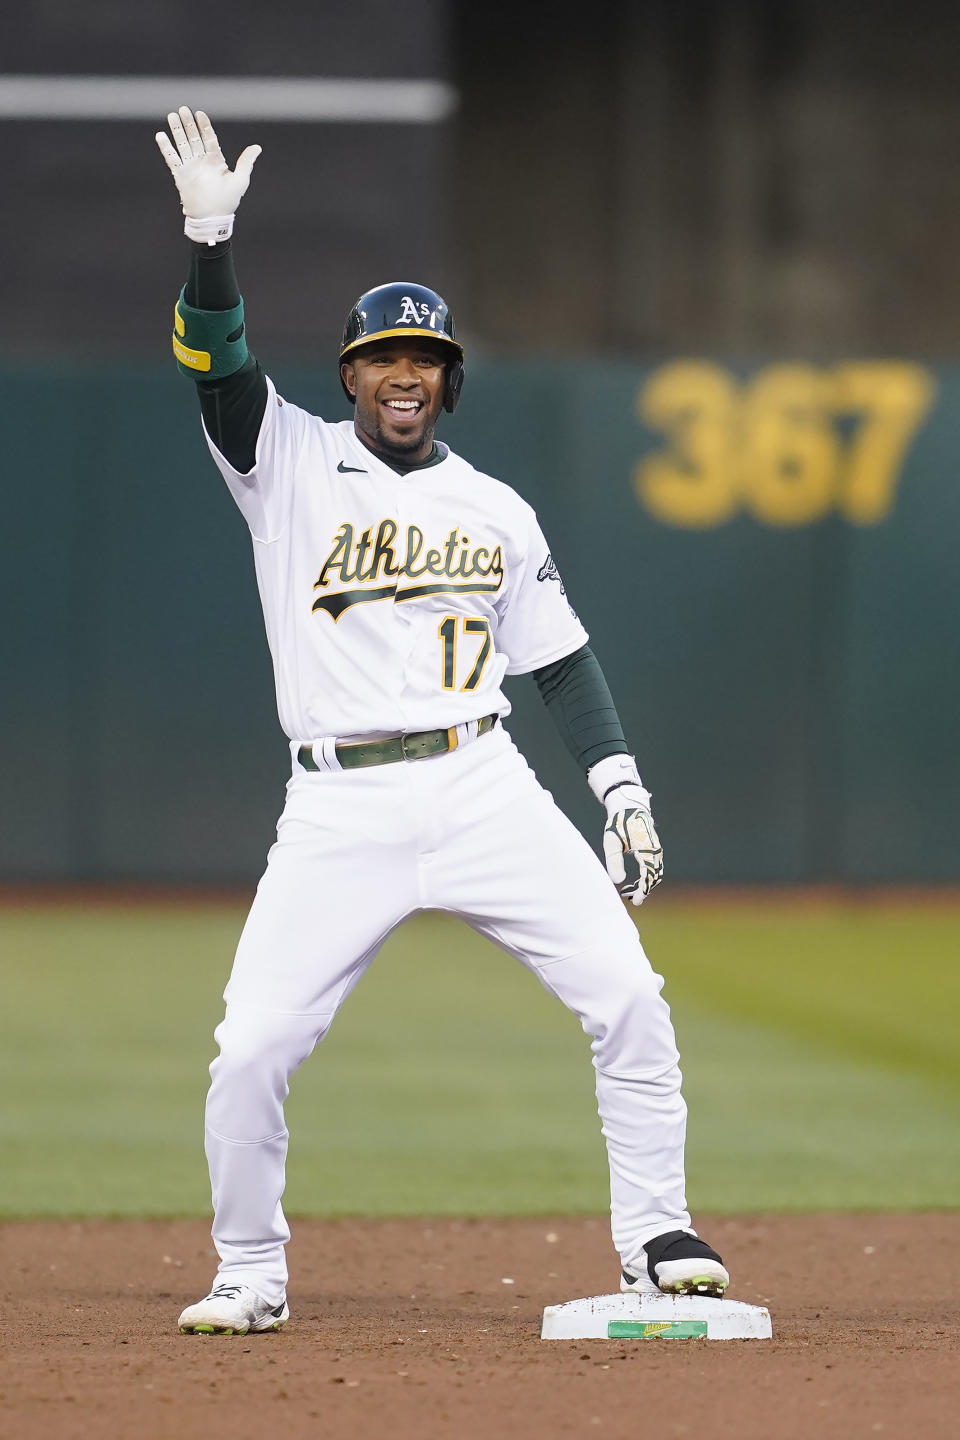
[357, 852]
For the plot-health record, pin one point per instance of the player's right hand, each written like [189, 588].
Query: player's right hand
[208, 188]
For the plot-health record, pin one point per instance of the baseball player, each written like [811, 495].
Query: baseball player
[399, 585]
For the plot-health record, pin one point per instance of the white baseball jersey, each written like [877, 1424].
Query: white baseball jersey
[391, 603]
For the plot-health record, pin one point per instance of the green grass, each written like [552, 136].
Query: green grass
[818, 1044]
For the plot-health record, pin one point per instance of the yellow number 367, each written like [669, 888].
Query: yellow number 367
[789, 446]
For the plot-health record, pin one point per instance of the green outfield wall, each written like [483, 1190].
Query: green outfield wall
[765, 557]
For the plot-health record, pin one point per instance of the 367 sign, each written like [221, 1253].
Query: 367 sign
[788, 446]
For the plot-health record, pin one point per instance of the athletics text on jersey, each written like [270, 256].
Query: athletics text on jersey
[456, 569]
[391, 602]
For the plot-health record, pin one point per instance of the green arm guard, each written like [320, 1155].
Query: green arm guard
[208, 344]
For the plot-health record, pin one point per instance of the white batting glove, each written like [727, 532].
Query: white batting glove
[631, 847]
[209, 191]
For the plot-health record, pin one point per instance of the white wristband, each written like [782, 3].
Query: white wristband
[210, 229]
[616, 771]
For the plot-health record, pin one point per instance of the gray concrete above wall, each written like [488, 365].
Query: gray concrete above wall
[712, 174]
[729, 176]
[94, 256]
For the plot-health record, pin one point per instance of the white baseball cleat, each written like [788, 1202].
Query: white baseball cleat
[232, 1310]
[677, 1263]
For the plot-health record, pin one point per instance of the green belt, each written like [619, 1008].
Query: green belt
[418, 746]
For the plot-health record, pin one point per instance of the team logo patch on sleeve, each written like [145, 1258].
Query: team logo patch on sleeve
[549, 571]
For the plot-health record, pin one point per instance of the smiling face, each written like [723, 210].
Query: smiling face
[398, 384]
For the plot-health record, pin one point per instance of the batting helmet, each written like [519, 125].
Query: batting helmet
[404, 309]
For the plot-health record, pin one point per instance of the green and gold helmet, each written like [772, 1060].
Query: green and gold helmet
[403, 308]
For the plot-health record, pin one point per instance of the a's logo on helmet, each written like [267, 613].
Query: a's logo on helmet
[411, 313]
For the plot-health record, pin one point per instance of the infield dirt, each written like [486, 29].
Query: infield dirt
[431, 1329]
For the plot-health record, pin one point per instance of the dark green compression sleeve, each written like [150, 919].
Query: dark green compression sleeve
[233, 407]
[576, 693]
[212, 281]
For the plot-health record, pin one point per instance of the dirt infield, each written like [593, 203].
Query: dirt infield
[430, 1329]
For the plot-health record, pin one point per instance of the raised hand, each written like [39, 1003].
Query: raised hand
[209, 190]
